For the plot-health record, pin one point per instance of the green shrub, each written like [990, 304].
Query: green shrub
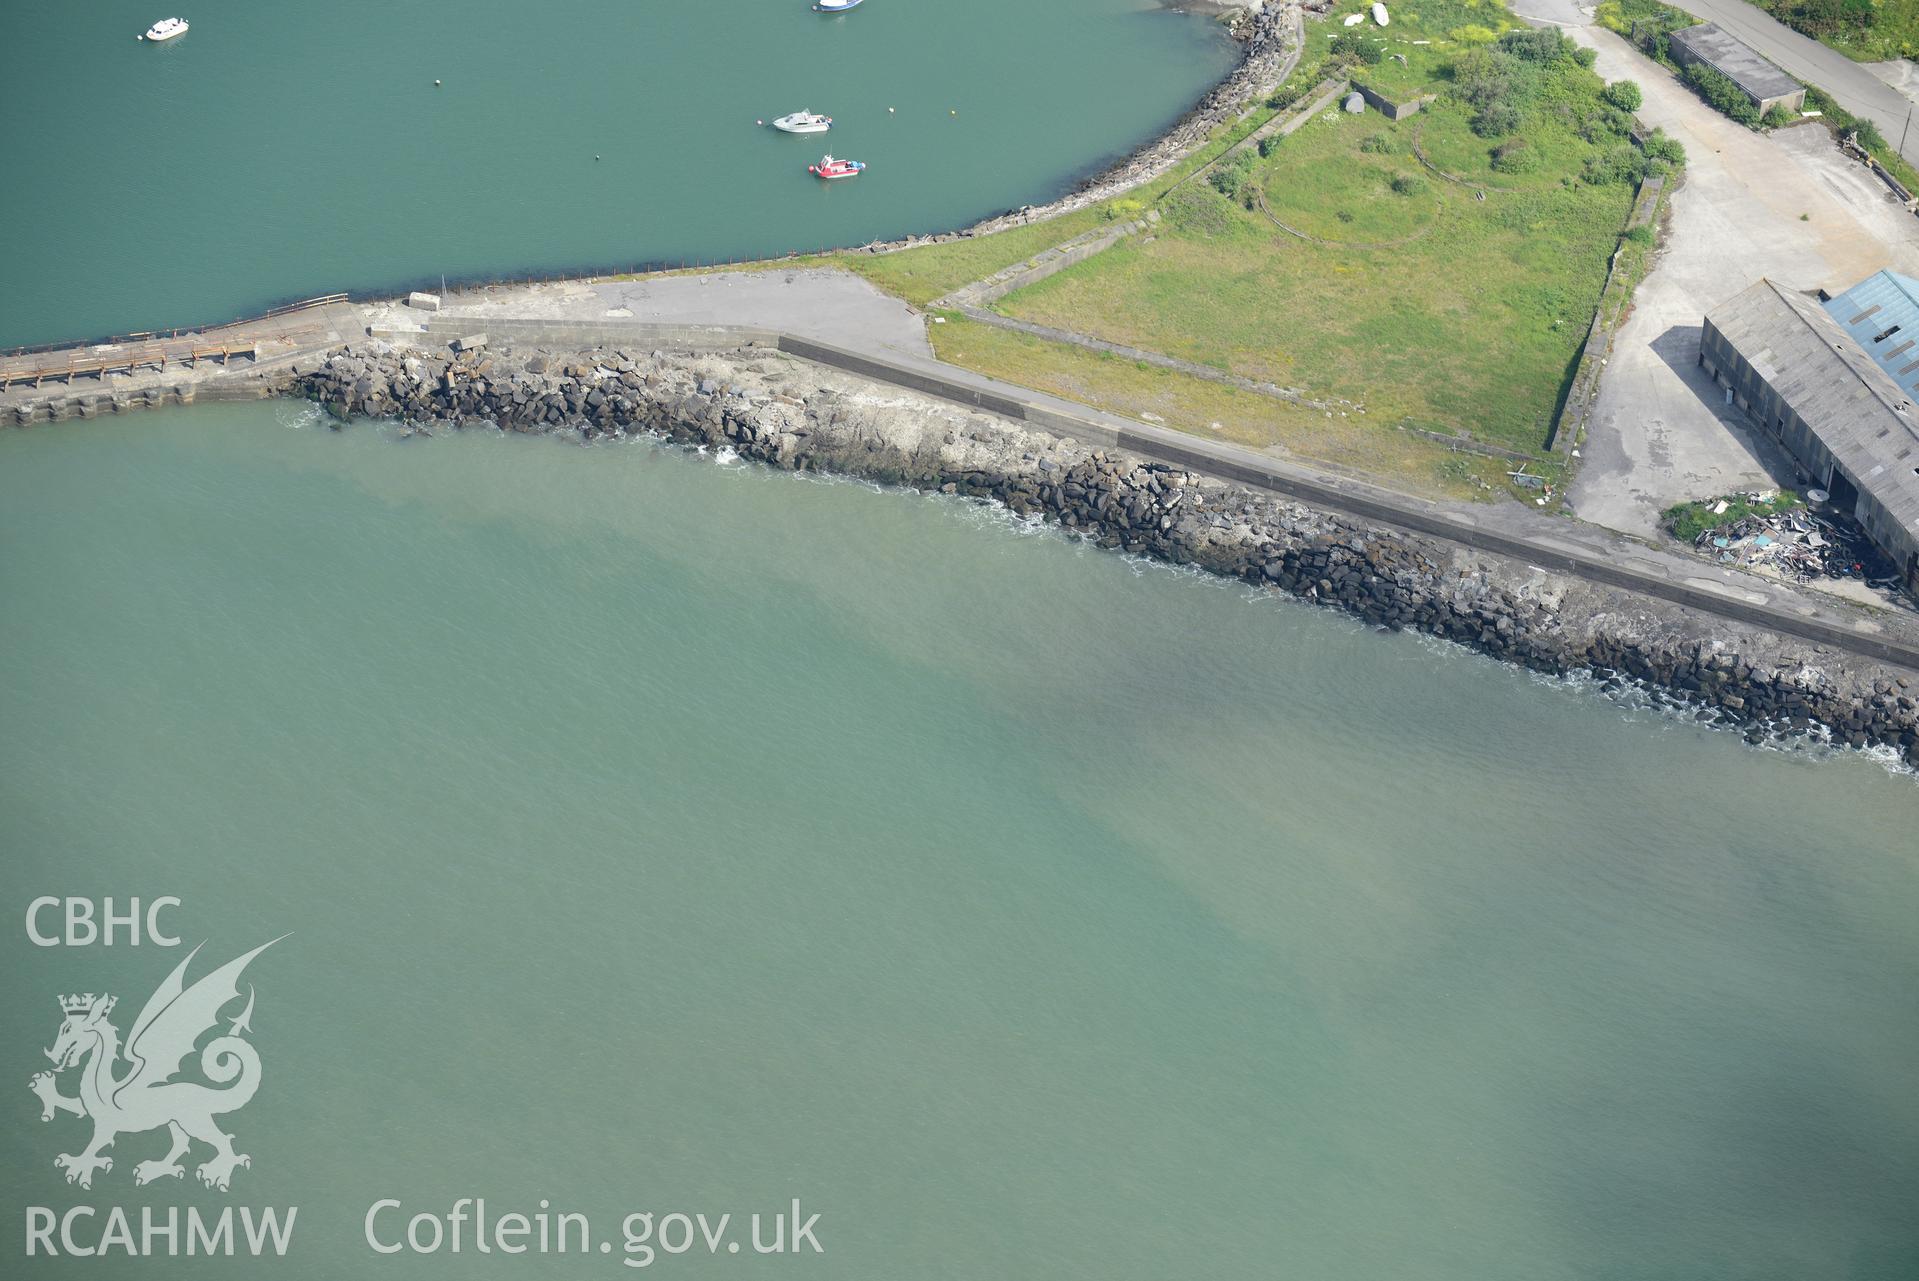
[1285, 96]
[1495, 119]
[1640, 235]
[1689, 520]
[1721, 93]
[1514, 156]
[1406, 184]
[1585, 57]
[1778, 116]
[1622, 163]
[1665, 148]
[1538, 44]
[1193, 209]
[1353, 47]
[1229, 175]
[1831, 112]
[1603, 124]
[1652, 19]
[1827, 18]
[1624, 94]
[1377, 144]
[1482, 76]
[1268, 145]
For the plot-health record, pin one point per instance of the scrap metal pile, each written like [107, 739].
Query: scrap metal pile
[1801, 544]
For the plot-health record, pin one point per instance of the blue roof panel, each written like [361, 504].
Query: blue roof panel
[1881, 313]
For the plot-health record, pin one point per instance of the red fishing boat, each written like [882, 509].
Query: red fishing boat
[831, 168]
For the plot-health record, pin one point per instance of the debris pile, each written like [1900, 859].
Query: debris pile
[1801, 544]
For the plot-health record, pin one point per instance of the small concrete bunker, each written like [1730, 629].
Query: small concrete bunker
[1766, 85]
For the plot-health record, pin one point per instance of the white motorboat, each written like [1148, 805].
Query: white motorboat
[804, 122]
[166, 29]
[835, 6]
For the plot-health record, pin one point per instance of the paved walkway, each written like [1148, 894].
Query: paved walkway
[832, 306]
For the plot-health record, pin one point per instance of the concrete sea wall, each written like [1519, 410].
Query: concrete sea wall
[773, 409]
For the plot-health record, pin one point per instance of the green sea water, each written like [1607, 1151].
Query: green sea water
[656, 835]
[281, 151]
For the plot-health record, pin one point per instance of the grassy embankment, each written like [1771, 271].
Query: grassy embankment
[1410, 296]
[1863, 30]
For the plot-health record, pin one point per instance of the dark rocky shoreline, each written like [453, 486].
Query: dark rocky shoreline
[796, 416]
[1269, 37]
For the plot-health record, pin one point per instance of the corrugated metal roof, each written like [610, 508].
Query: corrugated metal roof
[1881, 313]
[1730, 56]
[1866, 419]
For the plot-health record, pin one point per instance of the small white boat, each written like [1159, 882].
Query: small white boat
[1379, 13]
[804, 122]
[166, 29]
[835, 6]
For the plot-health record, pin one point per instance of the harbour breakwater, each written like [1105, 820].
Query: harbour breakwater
[769, 408]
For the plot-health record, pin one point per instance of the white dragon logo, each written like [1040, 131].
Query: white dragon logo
[174, 1018]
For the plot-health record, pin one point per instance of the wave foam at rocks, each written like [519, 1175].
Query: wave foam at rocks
[769, 408]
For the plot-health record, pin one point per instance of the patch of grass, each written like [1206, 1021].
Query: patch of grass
[932, 271]
[1433, 310]
[1318, 184]
[1147, 392]
[1650, 17]
[1688, 521]
[1407, 72]
[1425, 309]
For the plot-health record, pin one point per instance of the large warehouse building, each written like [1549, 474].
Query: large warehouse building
[1833, 389]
